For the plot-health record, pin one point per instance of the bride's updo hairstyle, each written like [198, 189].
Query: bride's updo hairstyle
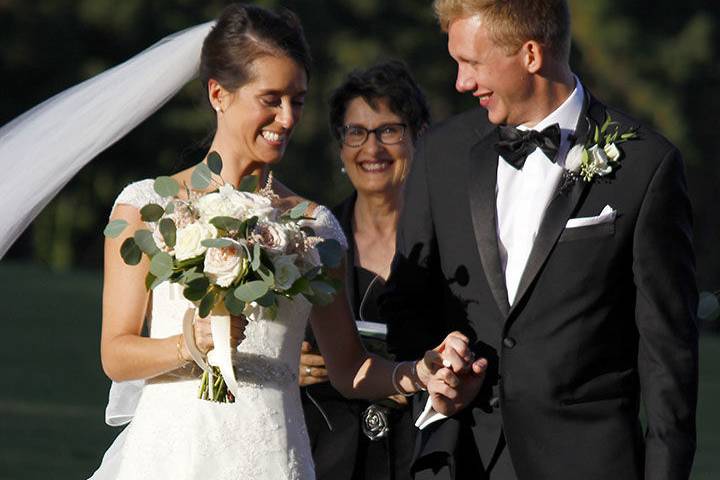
[244, 33]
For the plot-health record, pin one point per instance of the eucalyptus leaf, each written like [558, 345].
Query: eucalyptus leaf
[299, 210]
[214, 162]
[166, 186]
[226, 223]
[267, 276]
[149, 280]
[249, 183]
[152, 212]
[130, 252]
[168, 230]
[200, 282]
[217, 243]
[234, 306]
[256, 257]
[207, 304]
[115, 228]
[323, 294]
[196, 288]
[201, 177]
[251, 291]
[161, 265]
[267, 300]
[170, 208]
[301, 285]
[331, 253]
[146, 243]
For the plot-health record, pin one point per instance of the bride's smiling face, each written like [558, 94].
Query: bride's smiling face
[257, 120]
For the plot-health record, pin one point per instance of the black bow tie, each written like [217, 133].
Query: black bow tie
[515, 145]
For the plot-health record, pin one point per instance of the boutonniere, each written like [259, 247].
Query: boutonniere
[600, 154]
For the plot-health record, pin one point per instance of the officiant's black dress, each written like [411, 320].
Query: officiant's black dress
[346, 453]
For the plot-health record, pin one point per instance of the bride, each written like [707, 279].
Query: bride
[255, 65]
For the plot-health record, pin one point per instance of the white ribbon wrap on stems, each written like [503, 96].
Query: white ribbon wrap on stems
[221, 356]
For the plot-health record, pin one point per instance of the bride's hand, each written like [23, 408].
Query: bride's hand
[203, 334]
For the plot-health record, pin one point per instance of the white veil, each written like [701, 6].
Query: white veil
[44, 148]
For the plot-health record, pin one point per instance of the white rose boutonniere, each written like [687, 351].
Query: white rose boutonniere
[600, 155]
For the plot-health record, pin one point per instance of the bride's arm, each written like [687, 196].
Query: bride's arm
[125, 354]
[358, 374]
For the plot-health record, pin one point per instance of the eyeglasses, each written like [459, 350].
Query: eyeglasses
[388, 134]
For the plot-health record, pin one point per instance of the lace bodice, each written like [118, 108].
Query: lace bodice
[266, 422]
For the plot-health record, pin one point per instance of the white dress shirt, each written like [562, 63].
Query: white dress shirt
[522, 197]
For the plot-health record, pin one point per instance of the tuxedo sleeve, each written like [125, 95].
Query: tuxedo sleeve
[664, 272]
[410, 304]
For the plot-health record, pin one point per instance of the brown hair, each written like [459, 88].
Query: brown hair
[513, 22]
[244, 33]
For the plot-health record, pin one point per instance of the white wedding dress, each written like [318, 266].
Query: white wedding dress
[262, 436]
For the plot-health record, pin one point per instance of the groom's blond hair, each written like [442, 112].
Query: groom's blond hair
[514, 22]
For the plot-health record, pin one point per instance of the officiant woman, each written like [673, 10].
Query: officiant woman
[376, 115]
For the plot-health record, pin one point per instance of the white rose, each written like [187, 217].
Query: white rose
[228, 202]
[286, 272]
[272, 236]
[574, 158]
[612, 151]
[599, 160]
[188, 242]
[223, 265]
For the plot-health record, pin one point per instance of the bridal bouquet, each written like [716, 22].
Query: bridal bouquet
[230, 249]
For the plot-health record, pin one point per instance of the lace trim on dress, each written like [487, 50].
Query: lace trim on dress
[139, 194]
[326, 225]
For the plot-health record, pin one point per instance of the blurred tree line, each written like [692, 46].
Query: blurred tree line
[657, 59]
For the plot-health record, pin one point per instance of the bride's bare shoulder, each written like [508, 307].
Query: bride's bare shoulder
[287, 199]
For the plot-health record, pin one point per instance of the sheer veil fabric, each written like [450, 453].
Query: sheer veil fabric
[45, 147]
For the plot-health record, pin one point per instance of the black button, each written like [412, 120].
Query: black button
[494, 402]
[509, 342]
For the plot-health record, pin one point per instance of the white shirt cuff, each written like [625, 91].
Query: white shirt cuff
[428, 416]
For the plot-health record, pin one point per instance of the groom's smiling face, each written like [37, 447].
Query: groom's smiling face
[493, 73]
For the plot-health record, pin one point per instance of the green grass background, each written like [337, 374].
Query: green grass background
[53, 391]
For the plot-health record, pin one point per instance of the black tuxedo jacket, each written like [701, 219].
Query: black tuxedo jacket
[604, 314]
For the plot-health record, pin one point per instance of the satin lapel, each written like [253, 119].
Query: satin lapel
[481, 192]
[560, 209]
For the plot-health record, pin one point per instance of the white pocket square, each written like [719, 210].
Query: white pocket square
[606, 216]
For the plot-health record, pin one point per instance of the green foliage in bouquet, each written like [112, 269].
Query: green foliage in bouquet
[255, 254]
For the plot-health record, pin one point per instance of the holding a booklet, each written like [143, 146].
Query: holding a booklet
[376, 115]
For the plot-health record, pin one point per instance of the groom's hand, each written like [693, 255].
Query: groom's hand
[450, 392]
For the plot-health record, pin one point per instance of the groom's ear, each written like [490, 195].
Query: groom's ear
[533, 56]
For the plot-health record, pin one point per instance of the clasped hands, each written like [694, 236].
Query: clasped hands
[452, 374]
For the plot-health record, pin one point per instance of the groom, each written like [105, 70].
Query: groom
[572, 272]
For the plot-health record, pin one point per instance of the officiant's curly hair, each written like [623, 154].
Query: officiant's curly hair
[245, 33]
[513, 22]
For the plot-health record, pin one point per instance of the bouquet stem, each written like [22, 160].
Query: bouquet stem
[215, 390]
